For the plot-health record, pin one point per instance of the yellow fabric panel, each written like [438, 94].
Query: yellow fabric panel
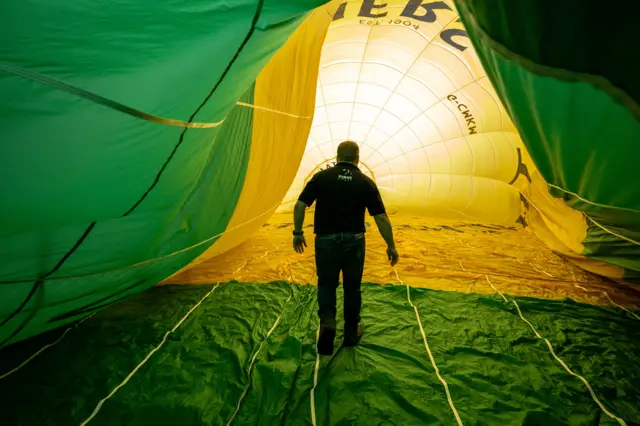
[451, 196]
[560, 227]
[431, 128]
[434, 253]
[283, 110]
[433, 135]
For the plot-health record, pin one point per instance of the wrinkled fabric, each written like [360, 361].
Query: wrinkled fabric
[434, 253]
[497, 371]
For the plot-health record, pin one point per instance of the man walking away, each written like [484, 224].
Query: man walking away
[343, 193]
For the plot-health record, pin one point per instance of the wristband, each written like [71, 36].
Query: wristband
[298, 233]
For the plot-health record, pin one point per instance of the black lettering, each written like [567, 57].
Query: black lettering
[340, 12]
[522, 170]
[397, 21]
[466, 113]
[430, 16]
[366, 10]
[406, 23]
[448, 35]
[524, 201]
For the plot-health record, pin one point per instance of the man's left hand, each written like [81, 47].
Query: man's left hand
[299, 243]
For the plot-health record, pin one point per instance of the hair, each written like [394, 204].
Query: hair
[348, 151]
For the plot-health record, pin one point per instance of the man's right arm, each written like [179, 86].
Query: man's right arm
[384, 226]
[376, 209]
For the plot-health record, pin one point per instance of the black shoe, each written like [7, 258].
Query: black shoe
[325, 341]
[352, 335]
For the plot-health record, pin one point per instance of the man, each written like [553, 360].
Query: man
[343, 193]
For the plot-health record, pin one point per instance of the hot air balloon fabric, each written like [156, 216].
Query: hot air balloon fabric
[166, 142]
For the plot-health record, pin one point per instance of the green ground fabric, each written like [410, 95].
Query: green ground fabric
[573, 96]
[87, 188]
[497, 370]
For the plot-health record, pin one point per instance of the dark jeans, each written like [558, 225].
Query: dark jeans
[334, 253]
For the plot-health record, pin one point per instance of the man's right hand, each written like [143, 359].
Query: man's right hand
[393, 256]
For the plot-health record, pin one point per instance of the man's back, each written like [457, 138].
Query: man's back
[342, 193]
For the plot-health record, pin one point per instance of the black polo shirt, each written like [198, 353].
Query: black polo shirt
[343, 193]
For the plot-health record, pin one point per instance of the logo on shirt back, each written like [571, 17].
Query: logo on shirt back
[345, 175]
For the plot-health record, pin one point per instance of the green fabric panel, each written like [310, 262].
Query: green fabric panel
[120, 189]
[125, 241]
[580, 137]
[588, 43]
[491, 358]
[574, 328]
[602, 245]
[497, 370]
[88, 162]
